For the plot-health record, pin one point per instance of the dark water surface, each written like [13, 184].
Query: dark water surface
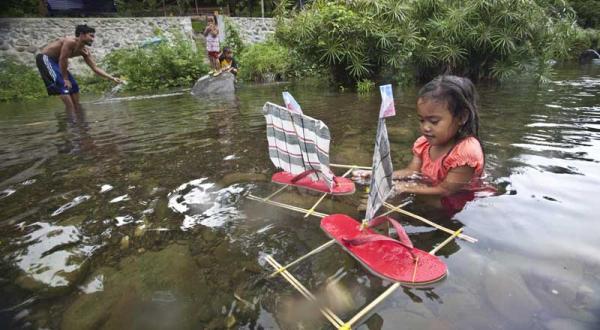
[133, 216]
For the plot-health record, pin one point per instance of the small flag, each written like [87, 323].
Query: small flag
[290, 103]
[387, 102]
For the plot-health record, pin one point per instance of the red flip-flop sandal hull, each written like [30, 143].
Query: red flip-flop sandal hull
[386, 259]
[341, 186]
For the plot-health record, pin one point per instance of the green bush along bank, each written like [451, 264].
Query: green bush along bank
[365, 39]
[588, 13]
[172, 63]
[266, 61]
[19, 82]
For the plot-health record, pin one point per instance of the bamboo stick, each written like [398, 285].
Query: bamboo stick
[315, 251]
[285, 206]
[275, 193]
[446, 241]
[312, 209]
[392, 210]
[329, 315]
[314, 299]
[350, 166]
[431, 223]
[372, 304]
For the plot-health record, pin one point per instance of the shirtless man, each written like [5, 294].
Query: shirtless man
[53, 62]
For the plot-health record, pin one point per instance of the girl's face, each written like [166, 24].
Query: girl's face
[436, 121]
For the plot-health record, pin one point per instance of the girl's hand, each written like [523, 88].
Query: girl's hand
[403, 186]
[361, 176]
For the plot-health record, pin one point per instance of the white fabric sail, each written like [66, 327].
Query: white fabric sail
[298, 143]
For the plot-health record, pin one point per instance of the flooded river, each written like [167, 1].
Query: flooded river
[132, 214]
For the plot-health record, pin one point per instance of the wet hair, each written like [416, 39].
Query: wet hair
[461, 97]
[83, 29]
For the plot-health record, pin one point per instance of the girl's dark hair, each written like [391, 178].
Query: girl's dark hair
[460, 95]
[83, 29]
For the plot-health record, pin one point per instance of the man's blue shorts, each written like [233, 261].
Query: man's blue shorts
[53, 79]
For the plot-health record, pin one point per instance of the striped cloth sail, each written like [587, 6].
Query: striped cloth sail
[298, 143]
[381, 176]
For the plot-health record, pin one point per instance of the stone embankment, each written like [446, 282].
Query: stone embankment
[22, 38]
[254, 29]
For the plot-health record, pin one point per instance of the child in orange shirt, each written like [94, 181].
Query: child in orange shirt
[448, 155]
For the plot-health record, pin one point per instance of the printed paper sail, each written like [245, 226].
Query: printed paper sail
[297, 143]
[381, 177]
[387, 102]
[290, 103]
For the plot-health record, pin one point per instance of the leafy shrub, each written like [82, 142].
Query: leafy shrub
[264, 62]
[232, 37]
[364, 39]
[364, 86]
[18, 8]
[172, 63]
[585, 39]
[198, 26]
[588, 12]
[19, 82]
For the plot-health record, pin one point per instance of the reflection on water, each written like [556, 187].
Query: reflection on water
[203, 204]
[130, 214]
[51, 255]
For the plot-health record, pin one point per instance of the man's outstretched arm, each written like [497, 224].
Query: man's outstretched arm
[87, 57]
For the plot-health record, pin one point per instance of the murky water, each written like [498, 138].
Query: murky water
[132, 215]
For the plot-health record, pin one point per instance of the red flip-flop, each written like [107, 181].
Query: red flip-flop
[395, 260]
[341, 185]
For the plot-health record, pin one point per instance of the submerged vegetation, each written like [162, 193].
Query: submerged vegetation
[366, 39]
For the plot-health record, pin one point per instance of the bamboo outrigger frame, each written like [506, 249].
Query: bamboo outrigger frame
[282, 270]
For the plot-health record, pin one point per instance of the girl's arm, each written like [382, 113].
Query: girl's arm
[455, 181]
[207, 30]
[412, 168]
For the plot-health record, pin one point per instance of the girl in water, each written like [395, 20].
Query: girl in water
[448, 155]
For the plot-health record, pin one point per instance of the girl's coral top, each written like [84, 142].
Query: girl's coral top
[466, 152]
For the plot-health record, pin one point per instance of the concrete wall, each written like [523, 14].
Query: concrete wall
[254, 29]
[23, 37]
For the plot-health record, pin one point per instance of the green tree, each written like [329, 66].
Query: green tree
[364, 39]
[588, 12]
[18, 8]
